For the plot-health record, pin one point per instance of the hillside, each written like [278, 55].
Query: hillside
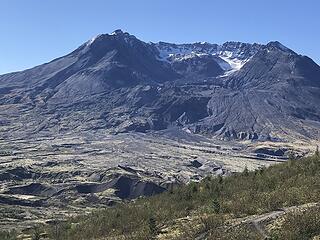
[280, 202]
[119, 83]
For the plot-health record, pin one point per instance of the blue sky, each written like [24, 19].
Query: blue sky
[37, 31]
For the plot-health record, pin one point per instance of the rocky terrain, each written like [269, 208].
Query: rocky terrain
[279, 202]
[119, 83]
[49, 178]
[119, 118]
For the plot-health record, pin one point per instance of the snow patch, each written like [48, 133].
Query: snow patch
[181, 57]
[228, 60]
[93, 39]
[234, 63]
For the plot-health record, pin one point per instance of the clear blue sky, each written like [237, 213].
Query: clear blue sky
[36, 31]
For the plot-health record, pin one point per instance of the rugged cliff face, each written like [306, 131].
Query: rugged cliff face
[119, 83]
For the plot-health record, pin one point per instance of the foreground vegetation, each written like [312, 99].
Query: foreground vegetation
[300, 225]
[209, 207]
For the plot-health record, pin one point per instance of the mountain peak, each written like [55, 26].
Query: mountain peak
[116, 33]
[119, 32]
[277, 45]
[200, 81]
[94, 39]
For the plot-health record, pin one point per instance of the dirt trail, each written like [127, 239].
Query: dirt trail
[258, 221]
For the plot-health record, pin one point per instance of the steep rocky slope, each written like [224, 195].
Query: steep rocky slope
[119, 83]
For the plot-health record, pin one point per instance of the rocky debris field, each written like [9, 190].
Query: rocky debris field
[45, 179]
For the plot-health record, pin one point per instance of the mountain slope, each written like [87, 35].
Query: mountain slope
[270, 96]
[119, 83]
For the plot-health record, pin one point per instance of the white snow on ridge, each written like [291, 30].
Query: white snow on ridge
[93, 39]
[235, 64]
[233, 61]
[230, 61]
[169, 52]
[181, 57]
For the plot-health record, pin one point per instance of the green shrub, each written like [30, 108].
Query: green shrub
[300, 225]
[292, 183]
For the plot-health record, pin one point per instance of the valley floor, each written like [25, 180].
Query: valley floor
[279, 202]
